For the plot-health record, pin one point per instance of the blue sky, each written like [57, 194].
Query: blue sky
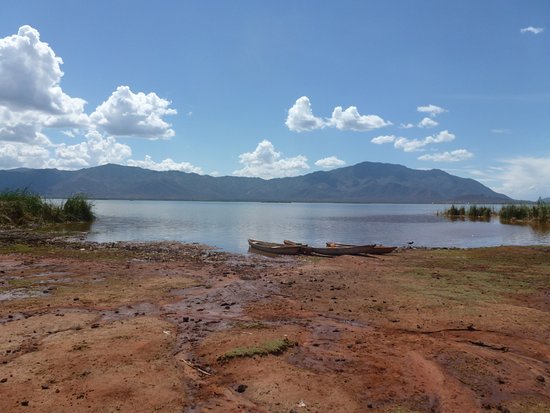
[280, 88]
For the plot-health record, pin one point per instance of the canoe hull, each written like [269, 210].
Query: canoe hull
[368, 249]
[274, 248]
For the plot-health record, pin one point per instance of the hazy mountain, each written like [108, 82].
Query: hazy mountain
[364, 182]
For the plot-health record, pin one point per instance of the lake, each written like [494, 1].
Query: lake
[228, 225]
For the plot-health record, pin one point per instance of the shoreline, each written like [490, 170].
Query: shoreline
[173, 327]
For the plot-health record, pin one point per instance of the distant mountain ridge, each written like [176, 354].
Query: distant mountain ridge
[364, 182]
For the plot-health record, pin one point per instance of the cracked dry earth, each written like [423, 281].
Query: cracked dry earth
[141, 327]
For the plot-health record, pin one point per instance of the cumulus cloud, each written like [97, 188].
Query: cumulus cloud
[95, 150]
[31, 97]
[411, 145]
[134, 114]
[531, 29]
[453, 156]
[300, 117]
[32, 102]
[443, 136]
[265, 162]
[165, 165]
[18, 154]
[330, 162]
[30, 74]
[350, 119]
[431, 110]
[427, 123]
[379, 140]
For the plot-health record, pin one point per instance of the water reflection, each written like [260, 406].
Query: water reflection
[229, 225]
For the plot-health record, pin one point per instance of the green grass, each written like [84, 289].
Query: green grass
[473, 212]
[480, 275]
[532, 213]
[539, 212]
[276, 346]
[24, 208]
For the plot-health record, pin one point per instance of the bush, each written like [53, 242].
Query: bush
[78, 208]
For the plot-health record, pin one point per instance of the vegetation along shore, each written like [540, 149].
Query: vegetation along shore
[538, 212]
[21, 208]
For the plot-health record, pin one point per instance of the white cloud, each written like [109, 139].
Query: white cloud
[453, 156]
[412, 145]
[30, 74]
[431, 110]
[379, 140]
[443, 136]
[17, 154]
[165, 165]
[95, 150]
[134, 114]
[31, 97]
[533, 30]
[265, 162]
[409, 145]
[427, 123]
[330, 162]
[300, 117]
[406, 126]
[523, 178]
[350, 119]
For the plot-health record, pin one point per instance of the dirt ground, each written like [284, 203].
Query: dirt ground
[145, 327]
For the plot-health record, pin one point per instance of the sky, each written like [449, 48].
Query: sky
[280, 88]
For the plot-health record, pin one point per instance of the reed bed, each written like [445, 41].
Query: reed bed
[24, 208]
[538, 212]
[473, 212]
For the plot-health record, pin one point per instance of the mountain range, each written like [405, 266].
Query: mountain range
[364, 182]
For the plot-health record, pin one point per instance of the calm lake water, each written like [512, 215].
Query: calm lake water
[228, 225]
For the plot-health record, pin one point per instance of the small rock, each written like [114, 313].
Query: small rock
[185, 319]
[24, 402]
[241, 388]
[541, 379]
[3, 380]
[95, 325]
[45, 387]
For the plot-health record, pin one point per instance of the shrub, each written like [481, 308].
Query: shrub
[78, 208]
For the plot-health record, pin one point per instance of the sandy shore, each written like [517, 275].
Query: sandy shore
[170, 327]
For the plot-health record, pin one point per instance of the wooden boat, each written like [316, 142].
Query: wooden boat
[275, 248]
[333, 249]
[370, 249]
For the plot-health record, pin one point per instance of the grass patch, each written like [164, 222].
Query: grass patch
[24, 208]
[475, 276]
[276, 346]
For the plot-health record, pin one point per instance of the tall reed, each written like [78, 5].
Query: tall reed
[538, 212]
[22, 208]
[472, 212]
